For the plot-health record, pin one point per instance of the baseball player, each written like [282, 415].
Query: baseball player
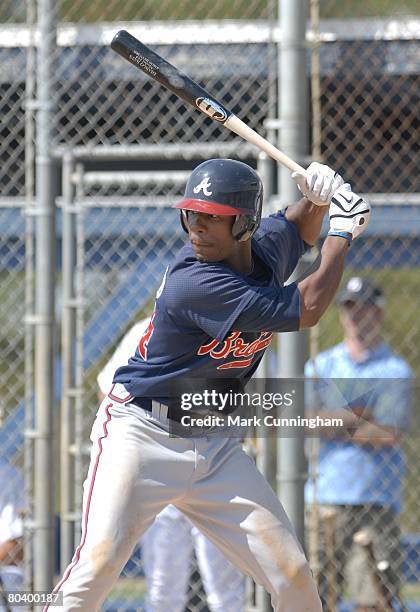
[216, 310]
[12, 506]
[166, 577]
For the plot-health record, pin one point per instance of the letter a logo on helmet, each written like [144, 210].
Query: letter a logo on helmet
[203, 186]
[225, 187]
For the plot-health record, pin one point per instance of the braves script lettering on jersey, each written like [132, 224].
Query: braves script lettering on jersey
[234, 345]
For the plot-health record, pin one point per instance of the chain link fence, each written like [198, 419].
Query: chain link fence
[124, 146]
[367, 124]
[12, 345]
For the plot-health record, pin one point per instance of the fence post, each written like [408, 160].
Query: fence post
[44, 302]
[28, 460]
[265, 461]
[67, 353]
[293, 140]
[78, 390]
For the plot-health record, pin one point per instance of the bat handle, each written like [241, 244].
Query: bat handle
[239, 127]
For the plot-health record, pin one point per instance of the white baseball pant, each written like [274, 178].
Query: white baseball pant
[137, 469]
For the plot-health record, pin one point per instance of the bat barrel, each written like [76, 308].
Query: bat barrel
[167, 75]
[188, 90]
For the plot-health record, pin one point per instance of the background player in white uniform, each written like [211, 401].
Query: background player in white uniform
[11, 529]
[215, 313]
[167, 574]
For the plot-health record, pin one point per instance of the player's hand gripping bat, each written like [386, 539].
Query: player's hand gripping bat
[183, 86]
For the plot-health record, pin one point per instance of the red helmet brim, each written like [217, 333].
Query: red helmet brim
[210, 208]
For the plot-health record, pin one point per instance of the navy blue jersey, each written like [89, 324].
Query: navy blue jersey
[212, 322]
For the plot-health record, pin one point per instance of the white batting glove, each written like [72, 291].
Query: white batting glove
[349, 213]
[318, 183]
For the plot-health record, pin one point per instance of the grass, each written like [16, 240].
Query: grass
[135, 589]
[149, 10]
[105, 10]
[101, 10]
[129, 588]
[411, 592]
[337, 9]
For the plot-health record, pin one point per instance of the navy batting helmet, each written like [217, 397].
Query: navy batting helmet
[225, 187]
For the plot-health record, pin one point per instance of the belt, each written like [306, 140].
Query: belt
[162, 411]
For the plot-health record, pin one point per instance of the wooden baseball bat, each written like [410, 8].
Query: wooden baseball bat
[188, 90]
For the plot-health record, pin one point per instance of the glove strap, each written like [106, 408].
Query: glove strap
[345, 235]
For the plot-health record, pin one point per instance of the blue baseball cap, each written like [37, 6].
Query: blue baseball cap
[361, 290]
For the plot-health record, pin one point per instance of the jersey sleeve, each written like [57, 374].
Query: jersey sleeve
[282, 244]
[217, 301]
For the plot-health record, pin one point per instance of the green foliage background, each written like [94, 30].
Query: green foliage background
[106, 10]
[110, 10]
[148, 10]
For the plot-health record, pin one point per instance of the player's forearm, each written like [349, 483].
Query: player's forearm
[333, 424]
[376, 436]
[355, 427]
[347, 417]
[317, 290]
[308, 219]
